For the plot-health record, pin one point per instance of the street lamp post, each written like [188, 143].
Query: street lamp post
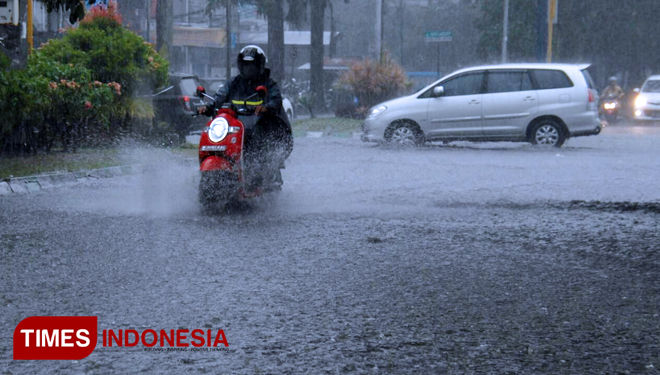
[505, 32]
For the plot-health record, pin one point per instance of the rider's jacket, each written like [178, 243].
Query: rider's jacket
[614, 91]
[238, 88]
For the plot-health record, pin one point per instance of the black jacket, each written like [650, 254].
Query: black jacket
[239, 88]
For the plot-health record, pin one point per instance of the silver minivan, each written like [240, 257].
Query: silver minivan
[538, 103]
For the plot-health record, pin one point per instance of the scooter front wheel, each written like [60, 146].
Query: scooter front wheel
[217, 187]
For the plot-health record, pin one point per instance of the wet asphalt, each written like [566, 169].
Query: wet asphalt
[466, 259]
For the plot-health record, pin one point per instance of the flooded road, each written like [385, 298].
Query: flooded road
[467, 258]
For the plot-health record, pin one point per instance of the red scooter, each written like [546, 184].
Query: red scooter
[222, 158]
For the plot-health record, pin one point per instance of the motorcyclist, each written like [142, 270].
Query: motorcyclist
[613, 90]
[270, 142]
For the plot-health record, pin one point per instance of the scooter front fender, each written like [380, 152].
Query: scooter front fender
[215, 163]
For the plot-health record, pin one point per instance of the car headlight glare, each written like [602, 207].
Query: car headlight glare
[377, 111]
[218, 129]
[640, 101]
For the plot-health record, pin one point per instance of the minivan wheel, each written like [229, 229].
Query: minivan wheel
[548, 133]
[404, 134]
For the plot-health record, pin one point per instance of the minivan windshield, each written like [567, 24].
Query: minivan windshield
[651, 86]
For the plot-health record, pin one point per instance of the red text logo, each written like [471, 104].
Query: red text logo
[180, 338]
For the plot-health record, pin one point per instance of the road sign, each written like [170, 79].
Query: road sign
[438, 36]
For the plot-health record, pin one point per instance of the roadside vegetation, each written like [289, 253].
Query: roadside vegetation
[327, 125]
[101, 157]
[83, 160]
[81, 90]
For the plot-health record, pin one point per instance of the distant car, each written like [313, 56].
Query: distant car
[647, 102]
[288, 108]
[178, 104]
[538, 103]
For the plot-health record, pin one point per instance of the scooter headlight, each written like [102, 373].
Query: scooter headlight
[218, 129]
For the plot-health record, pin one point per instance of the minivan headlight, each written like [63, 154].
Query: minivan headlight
[640, 101]
[218, 129]
[375, 111]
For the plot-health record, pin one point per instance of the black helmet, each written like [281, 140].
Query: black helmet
[251, 54]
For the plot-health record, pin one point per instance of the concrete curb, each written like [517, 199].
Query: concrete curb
[32, 184]
[309, 134]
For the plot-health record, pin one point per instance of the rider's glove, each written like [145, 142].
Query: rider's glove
[205, 110]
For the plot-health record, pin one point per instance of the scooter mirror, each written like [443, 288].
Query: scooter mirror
[262, 90]
[200, 91]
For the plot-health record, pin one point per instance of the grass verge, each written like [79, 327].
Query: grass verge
[327, 125]
[85, 159]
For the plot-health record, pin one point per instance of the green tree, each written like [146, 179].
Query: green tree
[615, 36]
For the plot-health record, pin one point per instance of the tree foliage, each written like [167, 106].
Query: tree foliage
[616, 36]
[110, 51]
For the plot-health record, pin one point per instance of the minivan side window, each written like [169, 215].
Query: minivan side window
[587, 77]
[508, 81]
[465, 84]
[551, 79]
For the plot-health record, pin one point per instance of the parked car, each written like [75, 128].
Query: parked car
[537, 103]
[647, 102]
[212, 84]
[178, 104]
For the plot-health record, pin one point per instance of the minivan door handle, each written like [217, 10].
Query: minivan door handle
[474, 101]
[529, 99]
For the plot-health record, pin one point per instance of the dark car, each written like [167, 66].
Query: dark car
[177, 105]
[213, 84]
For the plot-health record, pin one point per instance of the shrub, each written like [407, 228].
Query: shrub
[110, 51]
[372, 82]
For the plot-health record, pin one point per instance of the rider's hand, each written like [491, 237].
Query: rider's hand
[205, 110]
[260, 110]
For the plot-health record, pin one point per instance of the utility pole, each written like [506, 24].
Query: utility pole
[148, 11]
[552, 15]
[29, 23]
[379, 30]
[401, 23]
[505, 32]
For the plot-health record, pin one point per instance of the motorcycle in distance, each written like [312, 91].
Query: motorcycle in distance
[611, 105]
[222, 160]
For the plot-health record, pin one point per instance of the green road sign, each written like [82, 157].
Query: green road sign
[438, 36]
